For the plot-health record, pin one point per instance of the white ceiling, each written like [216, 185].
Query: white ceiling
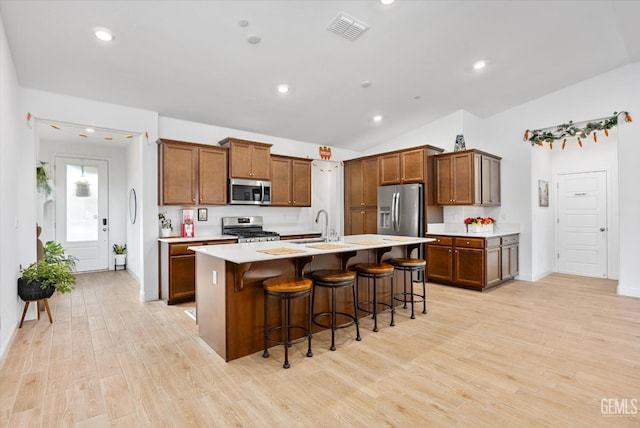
[191, 59]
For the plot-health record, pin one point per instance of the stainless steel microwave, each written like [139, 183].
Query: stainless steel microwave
[249, 192]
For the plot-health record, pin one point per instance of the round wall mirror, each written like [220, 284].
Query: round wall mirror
[133, 205]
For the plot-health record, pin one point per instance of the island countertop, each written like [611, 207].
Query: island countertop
[253, 251]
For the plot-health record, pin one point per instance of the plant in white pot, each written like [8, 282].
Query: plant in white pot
[119, 251]
[165, 225]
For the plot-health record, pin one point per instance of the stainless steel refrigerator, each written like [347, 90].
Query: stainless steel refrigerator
[401, 210]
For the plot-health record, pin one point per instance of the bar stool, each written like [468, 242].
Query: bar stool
[286, 289]
[333, 280]
[411, 265]
[376, 271]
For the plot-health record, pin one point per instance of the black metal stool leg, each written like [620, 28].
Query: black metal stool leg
[333, 320]
[354, 290]
[287, 341]
[413, 316]
[375, 305]
[265, 354]
[393, 307]
[424, 293]
[310, 327]
[404, 288]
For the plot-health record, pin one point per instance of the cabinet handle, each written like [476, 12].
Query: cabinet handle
[449, 250]
[467, 242]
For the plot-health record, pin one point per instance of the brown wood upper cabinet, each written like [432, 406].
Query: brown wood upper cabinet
[468, 177]
[191, 174]
[361, 195]
[402, 167]
[291, 181]
[248, 159]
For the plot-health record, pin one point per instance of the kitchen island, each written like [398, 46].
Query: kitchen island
[229, 295]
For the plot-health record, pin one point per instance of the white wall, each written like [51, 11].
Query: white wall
[17, 241]
[524, 165]
[118, 196]
[46, 105]
[326, 179]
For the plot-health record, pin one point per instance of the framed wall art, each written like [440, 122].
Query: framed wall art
[202, 214]
[543, 193]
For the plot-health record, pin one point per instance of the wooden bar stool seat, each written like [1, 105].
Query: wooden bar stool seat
[333, 280]
[376, 271]
[411, 265]
[286, 289]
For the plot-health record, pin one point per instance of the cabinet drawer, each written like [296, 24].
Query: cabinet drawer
[493, 242]
[470, 242]
[511, 239]
[441, 240]
[181, 249]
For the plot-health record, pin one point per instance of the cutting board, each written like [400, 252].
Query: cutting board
[281, 251]
[366, 242]
[327, 246]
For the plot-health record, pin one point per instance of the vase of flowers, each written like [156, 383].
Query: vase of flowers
[479, 224]
[165, 225]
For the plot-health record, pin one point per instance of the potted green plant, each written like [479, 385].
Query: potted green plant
[165, 225]
[53, 273]
[119, 251]
[42, 179]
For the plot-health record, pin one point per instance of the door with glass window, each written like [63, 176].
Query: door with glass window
[82, 224]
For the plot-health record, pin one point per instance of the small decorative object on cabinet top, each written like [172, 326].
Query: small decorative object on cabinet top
[325, 152]
[460, 145]
[165, 225]
[479, 224]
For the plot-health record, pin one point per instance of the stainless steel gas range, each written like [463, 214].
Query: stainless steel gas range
[247, 229]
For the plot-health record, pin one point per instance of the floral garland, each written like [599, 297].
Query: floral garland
[581, 130]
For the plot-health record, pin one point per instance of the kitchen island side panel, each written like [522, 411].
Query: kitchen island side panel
[210, 302]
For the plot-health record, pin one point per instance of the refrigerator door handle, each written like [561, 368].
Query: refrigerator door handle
[393, 212]
[397, 212]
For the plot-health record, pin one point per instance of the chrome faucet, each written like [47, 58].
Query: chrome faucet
[326, 224]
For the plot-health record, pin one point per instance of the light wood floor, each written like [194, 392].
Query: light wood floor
[524, 354]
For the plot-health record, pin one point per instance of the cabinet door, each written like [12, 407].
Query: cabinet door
[440, 263]
[493, 266]
[469, 267]
[509, 262]
[212, 176]
[444, 180]
[389, 169]
[353, 183]
[260, 162]
[240, 160]
[361, 221]
[280, 181]
[182, 278]
[412, 166]
[179, 174]
[301, 186]
[490, 181]
[369, 178]
[462, 179]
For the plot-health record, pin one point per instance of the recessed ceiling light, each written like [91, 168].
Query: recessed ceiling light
[479, 65]
[366, 84]
[243, 23]
[89, 130]
[377, 118]
[283, 89]
[387, 2]
[254, 39]
[103, 34]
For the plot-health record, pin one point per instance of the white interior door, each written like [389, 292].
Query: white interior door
[82, 225]
[582, 224]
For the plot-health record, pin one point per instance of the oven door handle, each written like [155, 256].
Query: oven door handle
[261, 192]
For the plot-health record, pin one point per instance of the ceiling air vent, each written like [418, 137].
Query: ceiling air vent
[347, 27]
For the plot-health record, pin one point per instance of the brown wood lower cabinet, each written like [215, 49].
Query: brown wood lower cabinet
[475, 263]
[178, 270]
